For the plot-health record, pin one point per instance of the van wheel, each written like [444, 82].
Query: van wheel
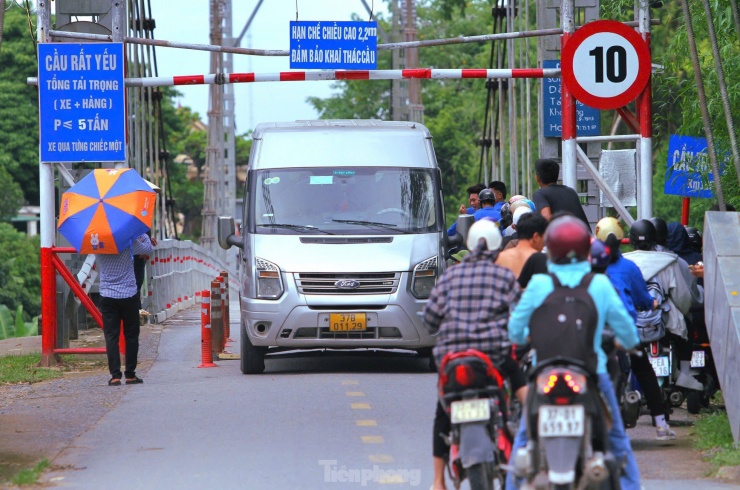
[427, 351]
[253, 357]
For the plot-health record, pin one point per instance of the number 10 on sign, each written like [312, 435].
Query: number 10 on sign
[605, 64]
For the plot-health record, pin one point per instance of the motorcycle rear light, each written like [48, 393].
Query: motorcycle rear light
[560, 379]
[654, 346]
[562, 400]
[464, 375]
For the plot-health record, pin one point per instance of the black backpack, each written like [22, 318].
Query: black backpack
[564, 325]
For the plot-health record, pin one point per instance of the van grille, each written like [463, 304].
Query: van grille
[369, 283]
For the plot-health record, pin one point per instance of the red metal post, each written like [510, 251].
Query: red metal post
[206, 349]
[48, 308]
[76, 288]
[685, 205]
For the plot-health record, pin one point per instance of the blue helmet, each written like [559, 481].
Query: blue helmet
[600, 255]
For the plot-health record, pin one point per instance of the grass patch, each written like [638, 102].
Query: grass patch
[31, 476]
[714, 438]
[24, 368]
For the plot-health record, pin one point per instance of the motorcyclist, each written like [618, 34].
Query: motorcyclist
[487, 201]
[468, 308]
[666, 266]
[627, 279]
[568, 245]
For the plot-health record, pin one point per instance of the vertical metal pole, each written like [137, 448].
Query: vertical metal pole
[645, 118]
[511, 100]
[47, 230]
[568, 102]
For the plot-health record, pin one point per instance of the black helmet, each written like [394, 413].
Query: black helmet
[486, 195]
[661, 231]
[506, 218]
[643, 235]
[695, 239]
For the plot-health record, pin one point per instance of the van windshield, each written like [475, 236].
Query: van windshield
[343, 201]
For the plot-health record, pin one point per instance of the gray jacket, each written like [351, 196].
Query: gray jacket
[665, 266]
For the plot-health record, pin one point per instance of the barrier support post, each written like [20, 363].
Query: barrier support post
[217, 331]
[226, 300]
[206, 349]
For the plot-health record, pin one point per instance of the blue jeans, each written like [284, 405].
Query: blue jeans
[618, 441]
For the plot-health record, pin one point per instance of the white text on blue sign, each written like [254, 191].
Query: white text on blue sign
[333, 45]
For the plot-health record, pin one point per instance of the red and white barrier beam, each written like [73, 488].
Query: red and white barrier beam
[306, 76]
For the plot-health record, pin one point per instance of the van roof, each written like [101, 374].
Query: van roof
[338, 123]
[351, 142]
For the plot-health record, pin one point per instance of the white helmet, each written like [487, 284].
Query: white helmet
[516, 198]
[484, 229]
[522, 203]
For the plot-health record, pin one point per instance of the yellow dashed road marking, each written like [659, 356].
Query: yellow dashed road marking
[366, 423]
[355, 393]
[372, 439]
[381, 458]
[391, 479]
[360, 406]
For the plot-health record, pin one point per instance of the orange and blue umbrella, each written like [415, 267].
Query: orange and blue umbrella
[106, 210]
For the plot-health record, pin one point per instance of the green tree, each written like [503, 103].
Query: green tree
[20, 274]
[11, 199]
[19, 139]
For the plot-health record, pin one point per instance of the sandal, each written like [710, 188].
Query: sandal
[114, 382]
[134, 381]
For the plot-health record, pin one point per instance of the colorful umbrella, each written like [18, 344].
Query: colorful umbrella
[106, 210]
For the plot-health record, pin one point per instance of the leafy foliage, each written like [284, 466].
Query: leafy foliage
[10, 327]
[11, 199]
[19, 139]
[19, 271]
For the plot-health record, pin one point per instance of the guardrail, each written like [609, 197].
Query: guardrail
[177, 270]
[722, 305]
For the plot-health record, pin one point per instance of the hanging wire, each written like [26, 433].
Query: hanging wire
[296, 10]
[30, 29]
[372, 8]
[489, 85]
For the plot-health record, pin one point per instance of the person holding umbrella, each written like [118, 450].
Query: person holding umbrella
[119, 303]
[108, 213]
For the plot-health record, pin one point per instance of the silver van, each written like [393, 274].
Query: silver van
[342, 237]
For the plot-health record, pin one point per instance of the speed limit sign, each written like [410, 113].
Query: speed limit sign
[605, 64]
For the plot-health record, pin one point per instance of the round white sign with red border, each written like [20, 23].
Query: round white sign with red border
[605, 64]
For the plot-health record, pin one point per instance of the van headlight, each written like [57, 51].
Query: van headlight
[424, 278]
[269, 281]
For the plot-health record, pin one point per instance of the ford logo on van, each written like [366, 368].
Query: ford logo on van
[347, 284]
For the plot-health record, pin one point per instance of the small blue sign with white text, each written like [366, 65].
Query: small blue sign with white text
[688, 172]
[588, 119]
[82, 112]
[333, 45]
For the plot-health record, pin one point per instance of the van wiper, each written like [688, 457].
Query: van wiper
[295, 227]
[371, 224]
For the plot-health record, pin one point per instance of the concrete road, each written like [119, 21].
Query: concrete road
[309, 422]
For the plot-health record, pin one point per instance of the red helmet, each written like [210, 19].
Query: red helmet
[567, 240]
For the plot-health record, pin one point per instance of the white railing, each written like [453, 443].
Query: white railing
[176, 271]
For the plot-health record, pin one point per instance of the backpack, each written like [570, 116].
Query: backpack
[564, 325]
[651, 323]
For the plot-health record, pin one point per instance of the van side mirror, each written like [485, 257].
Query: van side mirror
[463, 224]
[227, 233]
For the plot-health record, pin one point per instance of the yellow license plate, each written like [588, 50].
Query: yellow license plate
[347, 322]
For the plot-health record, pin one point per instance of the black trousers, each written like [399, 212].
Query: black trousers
[114, 311]
[645, 375]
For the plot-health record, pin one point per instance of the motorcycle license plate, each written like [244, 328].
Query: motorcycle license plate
[470, 411]
[698, 360]
[661, 366]
[561, 421]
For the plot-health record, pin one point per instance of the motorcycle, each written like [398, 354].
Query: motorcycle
[567, 428]
[472, 392]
